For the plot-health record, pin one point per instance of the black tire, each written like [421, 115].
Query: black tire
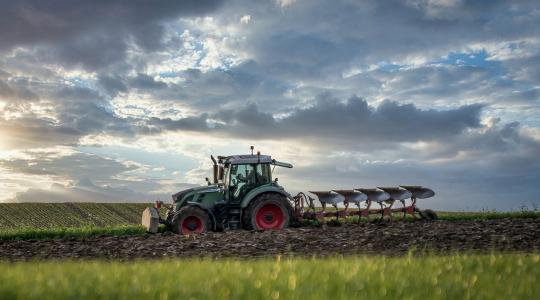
[191, 220]
[267, 200]
[428, 215]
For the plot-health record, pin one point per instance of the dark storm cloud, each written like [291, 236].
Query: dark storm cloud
[86, 111]
[353, 120]
[509, 149]
[15, 90]
[145, 82]
[112, 84]
[91, 33]
[328, 119]
[233, 86]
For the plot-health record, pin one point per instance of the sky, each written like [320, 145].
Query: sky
[125, 100]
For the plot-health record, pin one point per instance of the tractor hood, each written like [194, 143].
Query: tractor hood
[196, 190]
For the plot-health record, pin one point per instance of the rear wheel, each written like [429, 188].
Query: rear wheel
[267, 211]
[191, 220]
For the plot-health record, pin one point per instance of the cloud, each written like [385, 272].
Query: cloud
[84, 191]
[352, 122]
[285, 3]
[82, 177]
[143, 81]
[308, 41]
[112, 84]
[493, 167]
[73, 113]
[16, 90]
[442, 85]
[245, 19]
[75, 166]
[196, 124]
[90, 34]
[36, 133]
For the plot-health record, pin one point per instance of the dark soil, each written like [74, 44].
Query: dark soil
[521, 235]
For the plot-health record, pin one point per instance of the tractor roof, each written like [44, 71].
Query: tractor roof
[247, 159]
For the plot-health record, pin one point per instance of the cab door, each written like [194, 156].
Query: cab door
[238, 182]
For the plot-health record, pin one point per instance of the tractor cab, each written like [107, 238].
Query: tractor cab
[243, 173]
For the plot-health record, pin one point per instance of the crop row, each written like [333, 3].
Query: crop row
[54, 215]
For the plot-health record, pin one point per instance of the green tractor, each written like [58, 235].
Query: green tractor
[242, 195]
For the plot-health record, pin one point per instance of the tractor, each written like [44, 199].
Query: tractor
[244, 195]
[241, 195]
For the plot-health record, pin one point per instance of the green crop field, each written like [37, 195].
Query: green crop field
[496, 276]
[54, 215]
[67, 232]
[60, 220]
[69, 215]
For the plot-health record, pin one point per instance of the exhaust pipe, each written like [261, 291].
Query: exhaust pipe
[216, 169]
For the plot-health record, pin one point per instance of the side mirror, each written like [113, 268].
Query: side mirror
[275, 180]
[208, 181]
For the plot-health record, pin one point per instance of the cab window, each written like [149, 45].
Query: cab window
[243, 178]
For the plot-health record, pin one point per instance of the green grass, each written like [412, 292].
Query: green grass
[442, 215]
[67, 232]
[488, 215]
[496, 276]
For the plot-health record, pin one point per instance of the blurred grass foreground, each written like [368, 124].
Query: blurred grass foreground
[460, 276]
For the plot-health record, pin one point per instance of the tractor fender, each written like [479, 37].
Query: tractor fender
[260, 190]
[210, 213]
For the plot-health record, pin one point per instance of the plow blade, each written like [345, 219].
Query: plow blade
[419, 192]
[329, 197]
[375, 195]
[352, 196]
[397, 193]
[150, 219]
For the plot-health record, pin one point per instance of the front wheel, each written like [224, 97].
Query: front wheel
[191, 220]
[267, 211]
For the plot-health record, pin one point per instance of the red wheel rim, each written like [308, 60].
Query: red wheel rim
[270, 216]
[192, 224]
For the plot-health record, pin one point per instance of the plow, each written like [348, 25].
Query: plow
[377, 201]
[243, 195]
